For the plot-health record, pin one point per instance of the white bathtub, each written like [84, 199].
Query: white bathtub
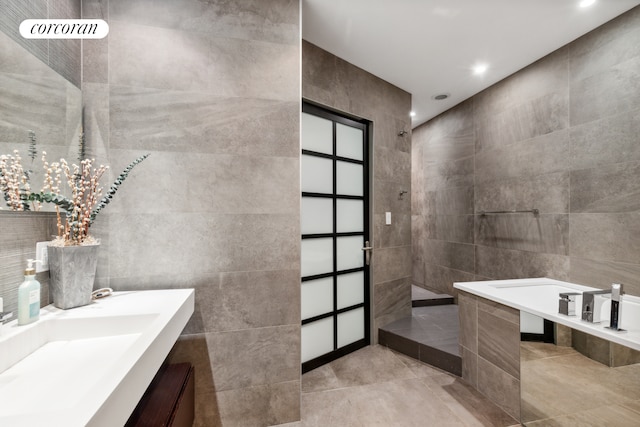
[540, 297]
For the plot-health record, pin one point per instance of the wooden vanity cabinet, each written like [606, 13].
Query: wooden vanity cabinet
[169, 400]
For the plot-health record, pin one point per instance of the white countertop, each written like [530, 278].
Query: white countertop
[88, 366]
[540, 297]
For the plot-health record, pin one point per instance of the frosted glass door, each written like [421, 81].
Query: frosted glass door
[335, 229]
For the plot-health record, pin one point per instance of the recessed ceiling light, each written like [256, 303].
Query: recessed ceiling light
[586, 3]
[480, 68]
[412, 114]
[441, 96]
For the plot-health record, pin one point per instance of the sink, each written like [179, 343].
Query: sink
[89, 365]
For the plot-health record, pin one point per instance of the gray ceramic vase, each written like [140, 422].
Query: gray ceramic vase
[73, 271]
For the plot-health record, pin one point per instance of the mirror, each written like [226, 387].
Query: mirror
[36, 102]
[578, 379]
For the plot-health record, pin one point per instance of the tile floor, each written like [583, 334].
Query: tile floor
[376, 386]
[561, 387]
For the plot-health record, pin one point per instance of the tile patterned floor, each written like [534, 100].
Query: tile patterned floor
[561, 387]
[376, 386]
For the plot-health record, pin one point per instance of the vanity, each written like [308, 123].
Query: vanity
[88, 366]
[588, 373]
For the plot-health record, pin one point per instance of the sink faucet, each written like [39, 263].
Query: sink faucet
[592, 305]
[4, 316]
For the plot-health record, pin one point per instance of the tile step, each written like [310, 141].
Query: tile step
[440, 358]
[430, 335]
[421, 297]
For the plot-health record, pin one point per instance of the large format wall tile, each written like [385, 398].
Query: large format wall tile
[499, 387]
[237, 242]
[222, 184]
[391, 263]
[441, 279]
[513, 264]
[615, 90]
[237, 300]
[455, 173]
[525, 232]
[398, 233]
[605, 47]
[499, 342]
[391, 301]
[452, 228]
[604, 141]
[548, 193]
[537, 156]
[169, 120]
[257, 356]
[457, 256]
[545, 76]
[468, 313]
[199, 61]
[609, 237]
[541, 116]
[246, 19]
[611, 188]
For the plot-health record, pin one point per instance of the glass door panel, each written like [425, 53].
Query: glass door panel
[349, 252]
[317, 339]
[350, 291]
[317, 297]
[349, 142]
[316, 256]
[316, 215]
[350, 215]
[317, 175]
[350, 326]
[350, 179]
[317, 134]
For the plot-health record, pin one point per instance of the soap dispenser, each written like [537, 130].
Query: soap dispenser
[29, 296]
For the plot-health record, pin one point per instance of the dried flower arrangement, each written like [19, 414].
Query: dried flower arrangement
[14, 181]
[82, 208]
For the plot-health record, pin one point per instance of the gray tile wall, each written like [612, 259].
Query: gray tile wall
[211, 90]
[20, 232]
[560, 135]
[490, 348]
[63, 56]
[333, 82]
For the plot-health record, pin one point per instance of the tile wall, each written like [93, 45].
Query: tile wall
[333, 82]
[211, 90]
[561, 136]
[490, 350]
[20, 232]
[63, 56]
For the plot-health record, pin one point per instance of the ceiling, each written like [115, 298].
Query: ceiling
[429, 47]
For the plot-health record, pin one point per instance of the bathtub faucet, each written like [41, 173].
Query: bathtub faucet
[592, 302]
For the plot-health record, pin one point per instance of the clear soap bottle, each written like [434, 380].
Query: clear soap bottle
[29, 296]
